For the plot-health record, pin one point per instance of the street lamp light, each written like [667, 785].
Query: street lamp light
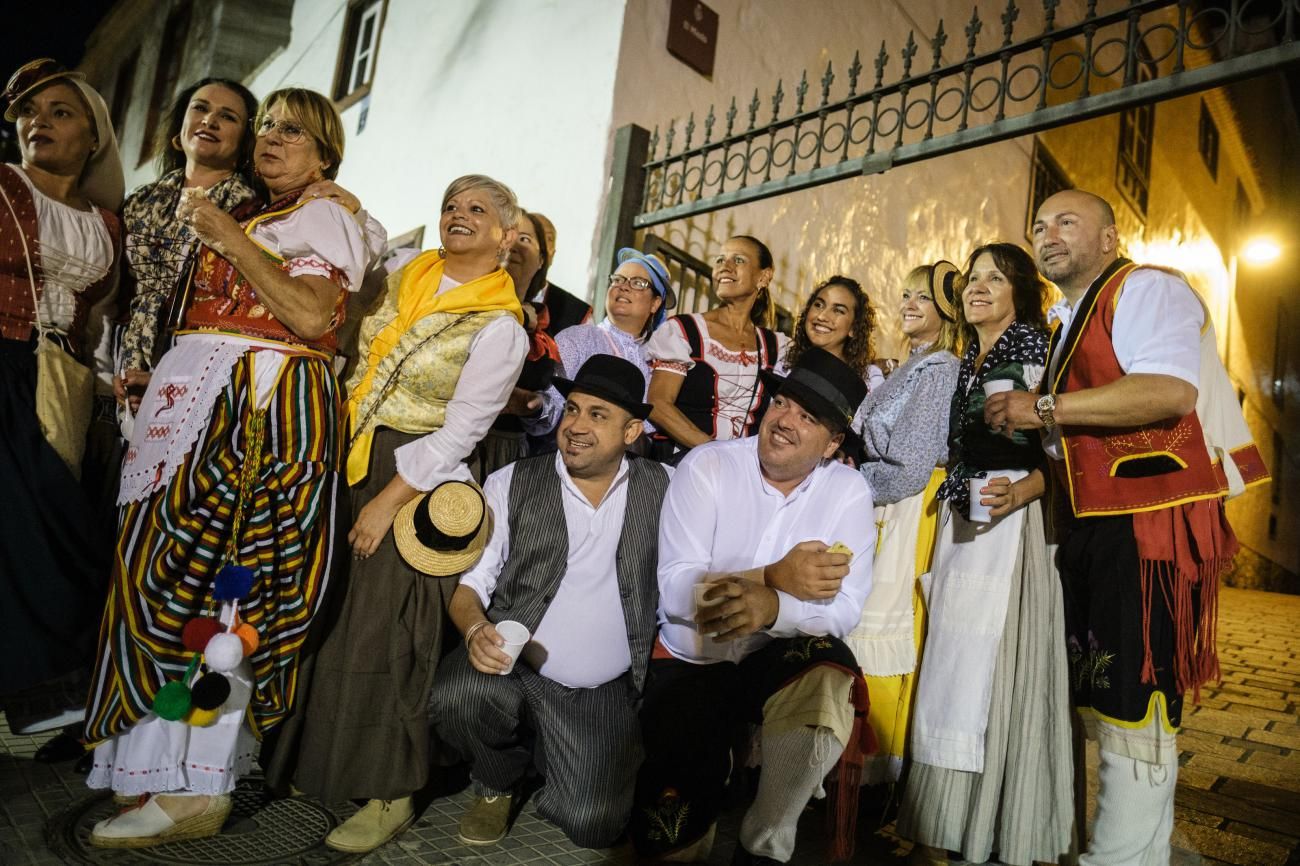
[1261, 251]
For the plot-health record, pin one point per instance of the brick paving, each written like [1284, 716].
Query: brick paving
[1238, 799]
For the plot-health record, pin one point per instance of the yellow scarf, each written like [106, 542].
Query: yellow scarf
[417, 297]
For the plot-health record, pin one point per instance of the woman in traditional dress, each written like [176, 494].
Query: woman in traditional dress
[903, 425]
[205, 142]
[59, 243]
[233, 464]
[508, 439]
[704, 382]
[640, 291]
[991, 750]
[438, 359]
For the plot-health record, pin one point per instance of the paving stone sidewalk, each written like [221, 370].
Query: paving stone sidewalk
[1238, 799]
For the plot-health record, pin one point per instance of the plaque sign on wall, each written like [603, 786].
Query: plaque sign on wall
[693, 34]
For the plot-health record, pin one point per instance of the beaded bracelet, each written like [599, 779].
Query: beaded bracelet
[473, 630]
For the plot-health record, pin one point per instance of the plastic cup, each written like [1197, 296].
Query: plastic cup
[979, 513]
[700, 602]
[996, 386]
[516, 636]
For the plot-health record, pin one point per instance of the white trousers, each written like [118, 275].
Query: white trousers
[1135, 813]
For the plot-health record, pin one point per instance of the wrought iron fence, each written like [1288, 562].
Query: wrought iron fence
[1007, 83]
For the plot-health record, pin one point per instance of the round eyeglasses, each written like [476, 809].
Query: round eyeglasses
[291, 132]
[634, 285]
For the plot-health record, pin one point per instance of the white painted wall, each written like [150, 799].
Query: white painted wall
[521, 90]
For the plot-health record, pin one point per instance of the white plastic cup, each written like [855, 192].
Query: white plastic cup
[516, 636]
[700, 602]
[978, 513]
[997, 386]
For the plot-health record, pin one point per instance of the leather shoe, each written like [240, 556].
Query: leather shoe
[60, 748]
[376, 823]
[486, 821]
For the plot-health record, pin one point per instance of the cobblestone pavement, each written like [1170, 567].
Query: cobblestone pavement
[1238, 798]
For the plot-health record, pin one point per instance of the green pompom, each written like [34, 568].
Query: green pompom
[172, 701]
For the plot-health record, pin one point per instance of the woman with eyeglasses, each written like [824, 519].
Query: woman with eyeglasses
[228, 493]
[640, 291]
[704, 382]
[205, 141]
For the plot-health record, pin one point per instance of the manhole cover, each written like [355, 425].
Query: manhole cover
[260, 830]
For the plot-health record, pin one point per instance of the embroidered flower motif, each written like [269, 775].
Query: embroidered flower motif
[667, 817]
[802, 650]
[1089, 668]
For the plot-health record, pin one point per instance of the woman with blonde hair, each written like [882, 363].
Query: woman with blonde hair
[227, 495]
[437, 361]
[903, 425]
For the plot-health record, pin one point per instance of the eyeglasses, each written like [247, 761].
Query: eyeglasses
[633, 285]
[291, 132]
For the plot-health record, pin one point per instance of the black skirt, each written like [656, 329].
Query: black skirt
[54, 554]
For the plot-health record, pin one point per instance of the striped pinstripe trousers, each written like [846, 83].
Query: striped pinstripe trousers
[586, 742]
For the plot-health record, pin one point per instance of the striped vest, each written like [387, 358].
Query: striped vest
[539, 551]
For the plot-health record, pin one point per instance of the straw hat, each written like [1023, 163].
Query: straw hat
[943, 288]
[443, 532]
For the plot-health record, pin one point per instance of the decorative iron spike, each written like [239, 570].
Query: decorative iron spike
[777, 98]
[708, 125]
[668, 139]
[1091, 11]
[800, 92]
[753, 109]
[881, 59]
[909, 51]
[654, 142]
[940, 40]
[854, 71]
[690, 131]
[1009, 21]
[1049, 10]
[827, 80]
[972, 32]
[731, 117]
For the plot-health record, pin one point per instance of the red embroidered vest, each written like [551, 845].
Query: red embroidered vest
[17, 316]
[1115, 470]
[224, 301]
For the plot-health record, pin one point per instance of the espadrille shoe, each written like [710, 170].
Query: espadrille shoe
[372, 826]
[149, 825]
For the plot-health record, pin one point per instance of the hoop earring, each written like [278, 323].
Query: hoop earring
[442, 252]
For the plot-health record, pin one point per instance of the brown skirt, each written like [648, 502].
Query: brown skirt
[361, 728]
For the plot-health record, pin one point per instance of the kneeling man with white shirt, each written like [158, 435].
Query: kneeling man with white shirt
[572, 557]
[756, 592]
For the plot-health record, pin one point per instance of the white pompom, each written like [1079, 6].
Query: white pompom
[224, 652]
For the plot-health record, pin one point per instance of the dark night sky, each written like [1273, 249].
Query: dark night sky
[59, 31]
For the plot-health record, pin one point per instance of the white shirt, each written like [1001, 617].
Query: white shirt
[1156, 329]
[581, 641]
[496, 355]
[721, 517]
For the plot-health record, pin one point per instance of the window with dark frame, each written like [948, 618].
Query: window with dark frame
[1242, 213]
[166, 76]
[122, 90]
[1133, 167]
[1046, 178]
[1208, 141]
[358, 51]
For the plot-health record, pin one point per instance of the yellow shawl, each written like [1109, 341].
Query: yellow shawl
[417, 297]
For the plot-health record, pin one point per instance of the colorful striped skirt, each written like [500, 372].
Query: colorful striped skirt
[172, 544]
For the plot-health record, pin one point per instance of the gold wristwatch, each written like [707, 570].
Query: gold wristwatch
[1045, 408]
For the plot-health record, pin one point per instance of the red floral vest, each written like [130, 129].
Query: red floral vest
[17, 317]
[224, 301]
[1115, 470]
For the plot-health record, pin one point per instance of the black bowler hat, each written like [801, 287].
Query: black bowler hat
[609, 378]
[822, 384]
